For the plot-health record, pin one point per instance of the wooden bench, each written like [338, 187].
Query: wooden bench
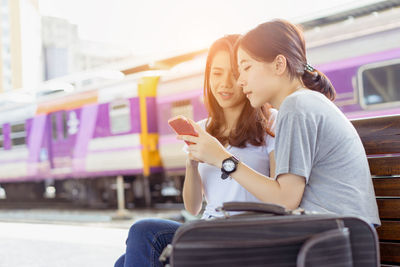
[381, 139]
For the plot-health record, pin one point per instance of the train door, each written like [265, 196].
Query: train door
[63, 128]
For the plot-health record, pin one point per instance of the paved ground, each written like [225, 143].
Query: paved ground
[51, 238]
[45, 245]
[104, 218]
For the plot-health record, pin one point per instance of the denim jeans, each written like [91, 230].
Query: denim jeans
[146, 240]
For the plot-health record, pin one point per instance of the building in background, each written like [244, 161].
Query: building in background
[60, 39]
[65, 53]
[20, 44]
[34, 48]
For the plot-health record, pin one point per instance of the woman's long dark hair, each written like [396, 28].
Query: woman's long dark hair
[280, 37]
[252, 123]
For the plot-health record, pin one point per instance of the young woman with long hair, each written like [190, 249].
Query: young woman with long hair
[235, 125]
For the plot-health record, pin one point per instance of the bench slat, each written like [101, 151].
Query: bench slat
[384, 166]
[381, 145]
[389, 230]
[383, 125]
[389, 208]
[390, 252]
[387, 187]
[379, 135]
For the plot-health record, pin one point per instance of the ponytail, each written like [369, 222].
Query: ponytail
[280, 37]
[317, 81]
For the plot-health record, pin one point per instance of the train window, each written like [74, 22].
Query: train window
[65, 124]
[18, 134]
[380, 83]
[54, 126]
[18, 128]
[182, 107]
[120, 116]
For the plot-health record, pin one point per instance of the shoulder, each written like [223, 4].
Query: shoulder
[301, 99]
[304, 102]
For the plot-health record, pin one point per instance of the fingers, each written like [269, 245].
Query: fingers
[196, 126]
[192, 149]
[188, 138]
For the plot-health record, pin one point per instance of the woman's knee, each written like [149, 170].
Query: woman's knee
[145, 229]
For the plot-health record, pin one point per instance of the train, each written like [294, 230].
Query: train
[361, 57]
[71, 144]
[66, 137]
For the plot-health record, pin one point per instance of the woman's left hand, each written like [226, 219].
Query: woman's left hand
[205, 147]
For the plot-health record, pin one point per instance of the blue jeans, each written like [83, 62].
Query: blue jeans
[146, 240]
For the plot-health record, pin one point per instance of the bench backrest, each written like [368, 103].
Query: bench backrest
[381, 139]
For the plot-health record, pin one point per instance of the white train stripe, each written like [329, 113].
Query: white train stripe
[114, 160]
[172, 155]
[13, 170]
[114, 142]
[19, 153]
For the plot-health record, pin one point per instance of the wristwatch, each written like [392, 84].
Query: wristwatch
[229, 165]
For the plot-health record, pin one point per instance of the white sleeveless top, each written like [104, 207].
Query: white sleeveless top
[217, 191]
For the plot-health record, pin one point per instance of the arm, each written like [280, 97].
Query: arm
[287, 190]
[192, 188]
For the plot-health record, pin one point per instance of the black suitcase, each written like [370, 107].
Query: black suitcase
[269, 235]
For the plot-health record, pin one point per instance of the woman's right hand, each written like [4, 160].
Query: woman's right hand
[205, 148]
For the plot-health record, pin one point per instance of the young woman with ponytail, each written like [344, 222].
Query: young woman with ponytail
[244, 131]
[321, 164]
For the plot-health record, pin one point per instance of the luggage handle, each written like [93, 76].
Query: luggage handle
[268, 208]
[317, 245]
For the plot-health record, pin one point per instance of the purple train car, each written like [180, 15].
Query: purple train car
[97, 132]
[361, 56]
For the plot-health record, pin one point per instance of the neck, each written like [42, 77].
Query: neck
[232, 115]
[287, 89]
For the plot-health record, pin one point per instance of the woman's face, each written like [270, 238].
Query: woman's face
[258, 79]
[224, 86]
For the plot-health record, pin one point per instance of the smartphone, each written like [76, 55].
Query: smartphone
[182, 126]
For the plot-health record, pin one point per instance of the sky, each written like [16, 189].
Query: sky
[150, 27]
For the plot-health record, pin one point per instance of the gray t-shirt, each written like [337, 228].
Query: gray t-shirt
[315, 140]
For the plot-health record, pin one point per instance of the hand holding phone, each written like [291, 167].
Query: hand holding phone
[182, 126]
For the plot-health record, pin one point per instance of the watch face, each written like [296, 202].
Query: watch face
[229, 165]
